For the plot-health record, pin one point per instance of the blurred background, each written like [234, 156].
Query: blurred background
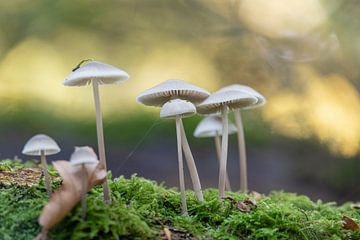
[302, 55]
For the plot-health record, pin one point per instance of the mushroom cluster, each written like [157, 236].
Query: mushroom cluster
[177, 99]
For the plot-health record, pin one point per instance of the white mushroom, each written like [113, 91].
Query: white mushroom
[97, 73]
[178, 89]
[177, 109]
[81, 157]
[241, 139]
[223, 102]
[42, 145]
[211, 126]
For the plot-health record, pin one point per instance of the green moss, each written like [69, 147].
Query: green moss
[142, 208]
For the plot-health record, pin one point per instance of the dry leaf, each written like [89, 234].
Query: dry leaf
[167, 233]
[256, 195]
[245, 206]
[350, 224]
[356, 207]
[69, 194]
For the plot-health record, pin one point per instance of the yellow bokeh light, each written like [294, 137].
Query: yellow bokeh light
[324, 106]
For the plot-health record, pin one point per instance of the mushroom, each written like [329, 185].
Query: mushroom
[97, 73]
[177, 109]
[42, 145]
[173, 89]
[241, 139]
[79, 158]
[221, 101]
[211, 126]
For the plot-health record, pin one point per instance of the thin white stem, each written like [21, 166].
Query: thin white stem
[100, 138]
[218, 154]
[242, 151]
[181, 167]
[191, 165]
[224, 148]
[46, 173]
[83, 191]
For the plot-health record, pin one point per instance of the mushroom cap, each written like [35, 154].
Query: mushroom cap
[38, 143]
[170, 89]
[211, 126]
[177, 107]
[261, 100]
[96, 71]
[233, 99]
[84, 155]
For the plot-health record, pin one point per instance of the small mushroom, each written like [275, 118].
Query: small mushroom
[211, 126]
[97, 73]
[79, 158]
[177, 109]
[241, 138]
[42, 145]
[178, 89]
[221, 101]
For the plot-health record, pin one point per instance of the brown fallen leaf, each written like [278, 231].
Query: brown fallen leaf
[356, 207]
[167, 233]
[245, 206]
[257, 196]
[350, 224]
[69, 194]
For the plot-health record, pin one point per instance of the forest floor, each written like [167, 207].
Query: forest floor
[143, 209]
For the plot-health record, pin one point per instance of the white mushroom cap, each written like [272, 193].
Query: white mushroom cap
[96, 71]
[38, 143]
[177, 107]
[232, 99]
[171, 89]
[261, 100]
[212, 126]
[84, 155]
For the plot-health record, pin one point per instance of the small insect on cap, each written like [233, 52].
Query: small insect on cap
[177, 107]
[90, 71]
[84, 155]
[261, 100]
[171, 89]
[38, 143]
[232, 99]
[212, 126]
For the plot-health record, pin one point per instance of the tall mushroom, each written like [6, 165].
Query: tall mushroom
[97, 73]
[241, 138]
[81, 157]
[178, 89]
[211, 126]
[42, 145]
[223, 102]
[177, 109]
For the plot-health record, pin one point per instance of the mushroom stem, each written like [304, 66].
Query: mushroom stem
[100, 138]
[217, 139]
[242, 151]
[83, 190]
[181, 166]
[46, 173]
[191, 165]
[224, 148]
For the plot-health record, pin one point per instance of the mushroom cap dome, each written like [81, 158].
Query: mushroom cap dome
[84, 155]
[211, 126]
[96, 71]
[170, 89]
[177, 107]
[232, 99]
[38, 143]
[261, 100]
